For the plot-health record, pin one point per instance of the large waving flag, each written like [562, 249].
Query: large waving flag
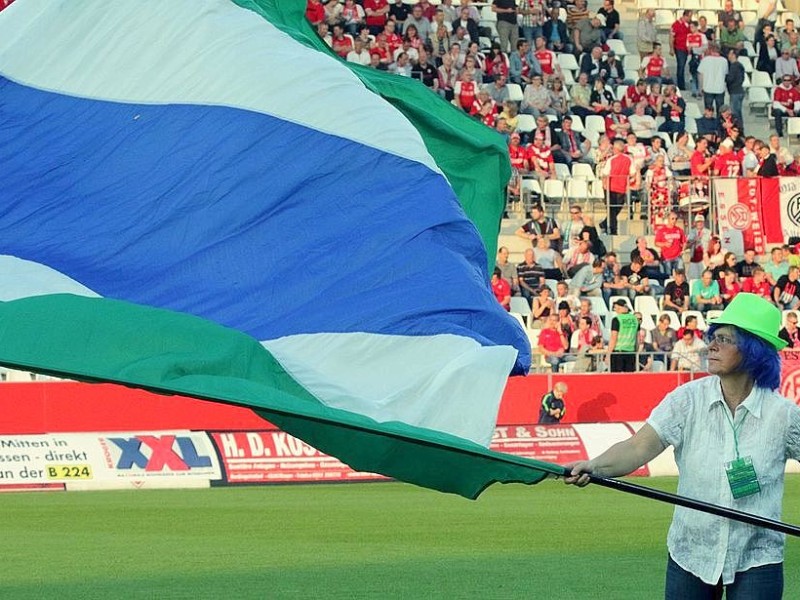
[199, 198]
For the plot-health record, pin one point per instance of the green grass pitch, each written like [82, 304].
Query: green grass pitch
[384, 540]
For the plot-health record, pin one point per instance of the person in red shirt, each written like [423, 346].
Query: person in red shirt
[484, 108]
[616, 173]
[617, 125]
[376, 11]
[697, 44]
[390, 36]
[553, 343]
[728, 286]
[465, 91]
[727, 163]
[315, 12]
[635, 93]
[785, 102]
[678, 35]
[517, 153]
[671, 240]
[540, 158]
[700, 164]
[547, 59]
[654, 66]
[341, 43]
[501, 289]
[758, 284]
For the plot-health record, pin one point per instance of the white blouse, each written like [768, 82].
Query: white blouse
[693, 419]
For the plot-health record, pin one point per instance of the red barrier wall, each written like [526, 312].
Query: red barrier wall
[64, 407]
[590, 398]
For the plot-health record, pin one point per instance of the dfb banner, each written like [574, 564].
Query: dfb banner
[739, 213]
[780, 202]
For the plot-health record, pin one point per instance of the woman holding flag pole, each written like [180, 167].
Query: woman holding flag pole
[732, 434]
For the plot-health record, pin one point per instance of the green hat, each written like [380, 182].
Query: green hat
[755, 315]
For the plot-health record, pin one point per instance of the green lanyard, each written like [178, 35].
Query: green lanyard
[735, 429]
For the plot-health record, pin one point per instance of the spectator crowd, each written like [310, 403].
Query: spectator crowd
[579, 299]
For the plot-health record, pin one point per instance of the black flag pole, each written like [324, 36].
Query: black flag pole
[714, 509]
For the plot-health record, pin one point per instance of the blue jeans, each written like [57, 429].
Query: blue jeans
[759, 583]
[681, 56]
[530, 33]
[710, 99]
[736, 106]
[668, 266]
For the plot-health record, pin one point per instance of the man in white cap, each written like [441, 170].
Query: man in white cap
[727, 164]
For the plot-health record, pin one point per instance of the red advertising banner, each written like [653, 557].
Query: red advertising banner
[263, 457]
[253, 457]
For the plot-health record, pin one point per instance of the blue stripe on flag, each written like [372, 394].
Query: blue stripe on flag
[242, 218]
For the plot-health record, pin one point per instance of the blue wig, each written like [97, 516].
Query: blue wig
[760, 359]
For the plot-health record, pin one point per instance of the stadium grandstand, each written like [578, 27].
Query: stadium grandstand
[624, 123]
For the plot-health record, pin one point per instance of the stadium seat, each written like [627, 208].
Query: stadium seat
[619, 93]
[618, 46]
[553, 190]
[596, 123]
[518, 317]
[669, 4]
[645, 4]
[750, 5]
[526, 123]
[487, 14]
[761, 79]
[711, 17]
[701, 321]
[485, 43]
[664, 19]
[792, 131]
[592, 136]
[583, 171]
[527, 187]
[646, 305]
[552, 284]
[631, 74]
[749, 18]
[577, 189]
[647, 322]
[631, 62]
[563, 172]
[514, 92]
[520, 306]
[713, 314]
[758, 98]
[569, 79]
[693, 111]
[674, 321]
[567, 62]
[746, 63]
[577, 123]
[596, 192]
[691, 126]
[598, 306]
[613, 299]
[658, 367]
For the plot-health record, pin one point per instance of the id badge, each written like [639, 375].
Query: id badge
[742, 477]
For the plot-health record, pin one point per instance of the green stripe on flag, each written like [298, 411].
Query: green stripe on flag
[97, 339]
[473, 157]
